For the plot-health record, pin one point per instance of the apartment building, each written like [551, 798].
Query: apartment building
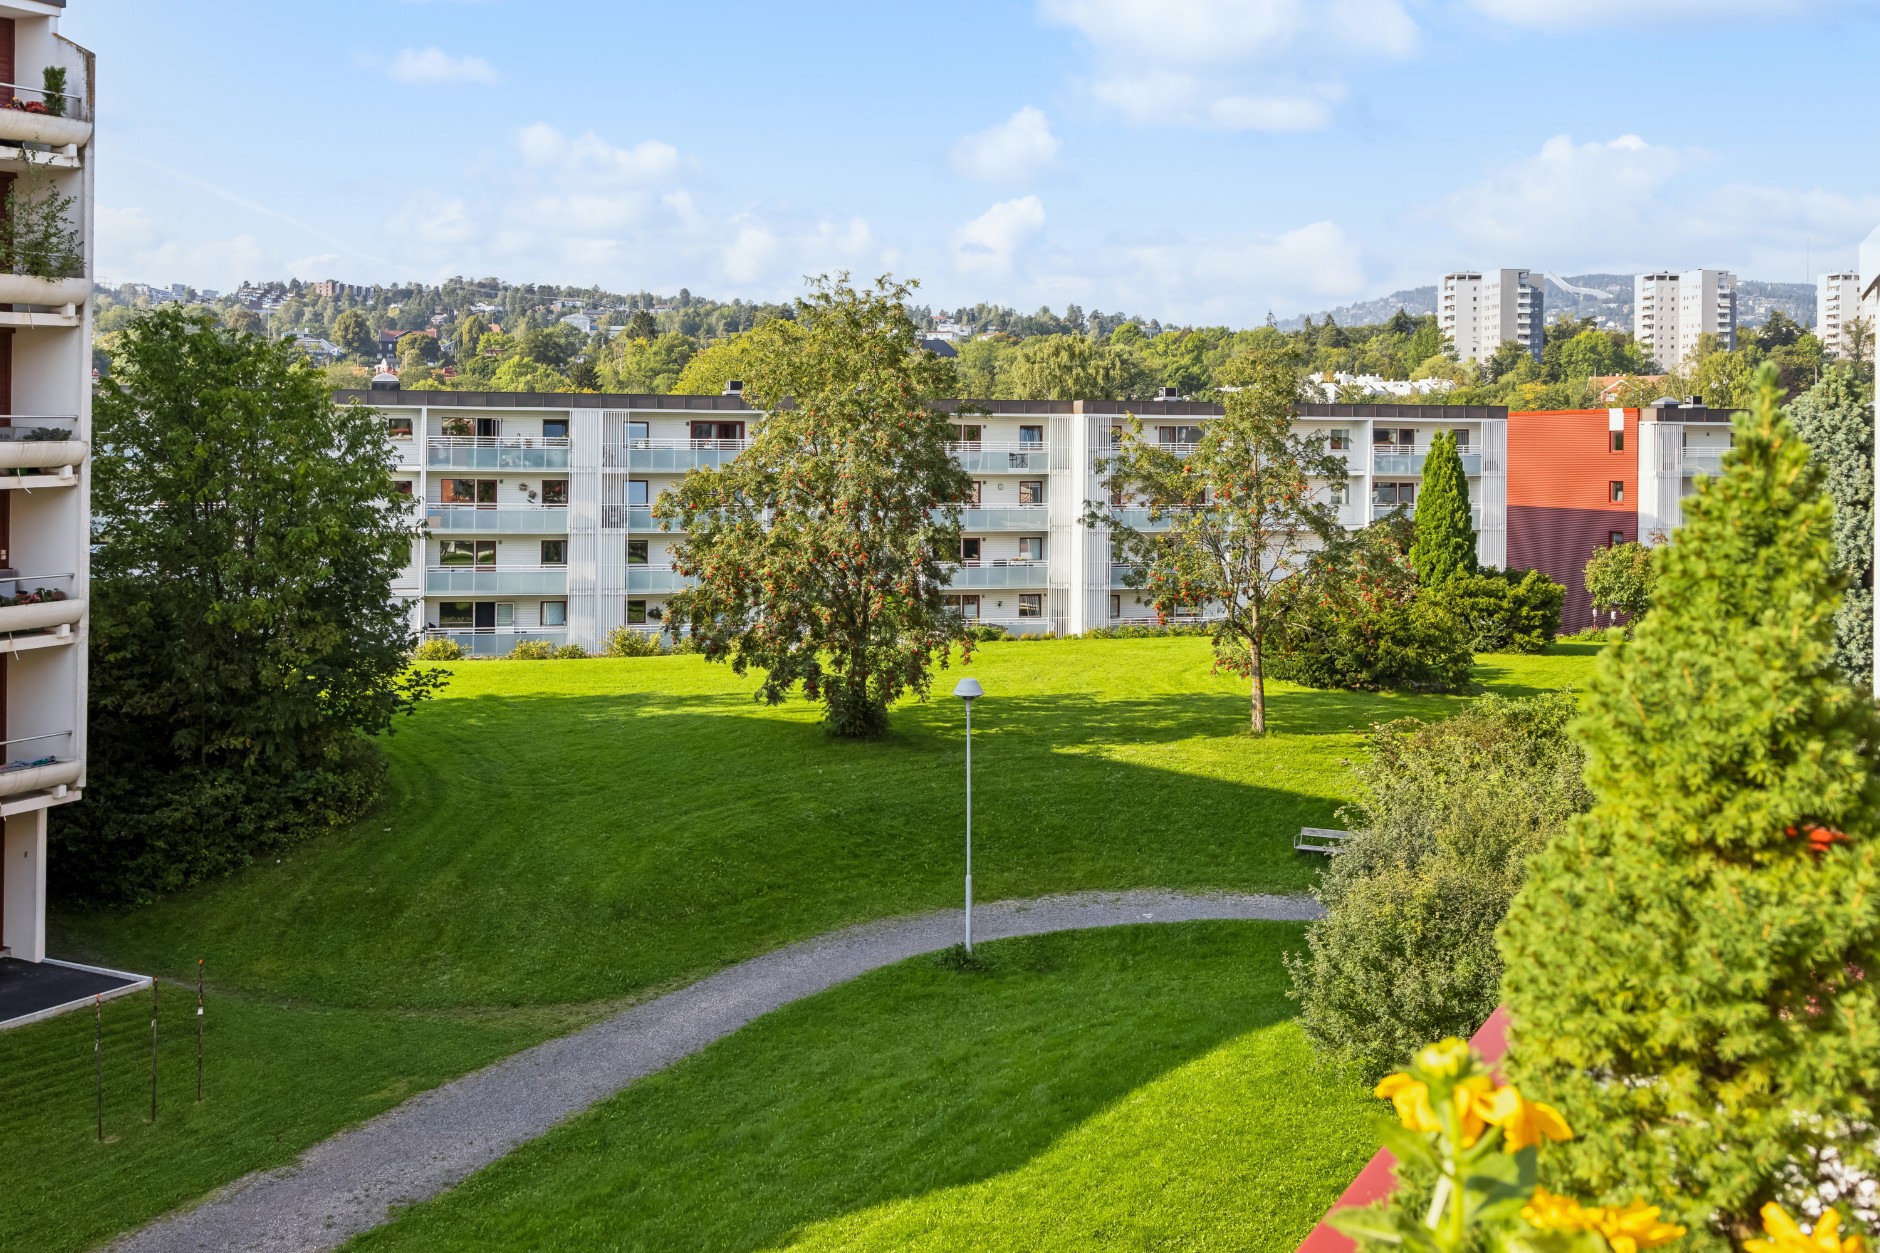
[1479, 311]
[539, 525]
[1837, 306]
[1585, 479]
[1670, 310]
[45, 432]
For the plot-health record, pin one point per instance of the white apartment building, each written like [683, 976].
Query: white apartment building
[1479, 311]
[1837, 305]
[1669, 312]
[45, 497]
[539, 523]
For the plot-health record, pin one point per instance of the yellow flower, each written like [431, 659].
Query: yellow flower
[1412, 1100]
[1522, 1122]
[1548, 1211]
[1444, 1058]
[1468, 1096]
[1634, 1227]
[1786, 1235]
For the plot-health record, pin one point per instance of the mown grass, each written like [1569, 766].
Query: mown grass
[1135, 1088]
[557, 837]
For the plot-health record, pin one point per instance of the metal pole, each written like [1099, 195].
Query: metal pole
[97, 1053]
[153, 1048]
[199, 1031]
[969, 828]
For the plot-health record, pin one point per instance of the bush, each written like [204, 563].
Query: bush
[980, 634]
[438, 649]
[570, 652]
[1505, 611]
[1451, 811]
[626, 642]
[532, 650]
[1148, 632]
[1420, 646]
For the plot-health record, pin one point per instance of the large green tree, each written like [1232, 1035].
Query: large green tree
[1835, 417]
[1231, 519]
[353, 333]
[1691, 965]
[245, 640]
[823, 552]
[1445, 542]
[1074, 367]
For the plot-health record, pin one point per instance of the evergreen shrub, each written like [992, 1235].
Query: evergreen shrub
[1505, 611]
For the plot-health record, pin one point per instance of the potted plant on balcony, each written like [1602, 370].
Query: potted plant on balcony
[45, 121]
[42, 261]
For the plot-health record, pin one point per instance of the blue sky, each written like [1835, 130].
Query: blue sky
[1196, 160]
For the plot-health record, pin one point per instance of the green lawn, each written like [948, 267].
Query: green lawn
[560, 837]
[1141, 1088]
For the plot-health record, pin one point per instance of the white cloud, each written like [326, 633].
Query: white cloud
[433, 66]
[1009, 151]
[1580, 14]
[1230, 64]
[990, 243]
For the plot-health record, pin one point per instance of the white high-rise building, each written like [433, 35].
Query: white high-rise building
[539, 525]
[1837, 305]
[45, 484]
[1669, 312]
[1479, 311]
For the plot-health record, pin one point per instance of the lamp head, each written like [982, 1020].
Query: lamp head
[968, 688]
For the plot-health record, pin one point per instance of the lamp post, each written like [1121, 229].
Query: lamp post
[968, 690]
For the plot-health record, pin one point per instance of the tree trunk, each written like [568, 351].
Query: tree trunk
[1257, 680]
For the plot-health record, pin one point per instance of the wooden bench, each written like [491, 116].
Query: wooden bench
[1319, 840]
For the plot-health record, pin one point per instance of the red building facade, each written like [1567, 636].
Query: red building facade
[1572, 489]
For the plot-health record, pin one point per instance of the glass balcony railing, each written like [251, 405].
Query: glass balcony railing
[1380, 511]
[1000, 458]
[1005, 518]
[628, 518]
[497, 519]
[495, 453]
[495, 642]
[656, 579]
[496, 581]
[1702, 461]
[671, 455]
[993, 575]
[1412, 463]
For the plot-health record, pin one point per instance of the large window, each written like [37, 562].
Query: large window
[636, 552]
[554, 428]
[636, 613]
[1030, 491]
[480, 553]
[467, 492]
[1339, 441]
[1462, 439]
[554, 552]
[398, 428]
[456, 615]
[977, 494]
[718, 434]
[554, 613]
[1031, 437]
[458, 428]
[1031, 605]
[1031, 548]
[969, 549]
[636, 433]
[1177, 435]
[965, 606]
[554, 491]
[1388, 494]
[636, 491]
[966, 433]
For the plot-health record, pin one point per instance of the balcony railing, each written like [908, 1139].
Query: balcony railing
[1381, 511]
[628, 518]
[39, 602]
[671, 455]
[40, 442]
[1412, 463]
[1702, 461]
[1005, 517]
[495, 453]
[493, 641]
[38, 102]
[993, 575]
[35, 763]
[656, 579]
[496, 580]
[497, 519]
[988, 457]
[1021, 626]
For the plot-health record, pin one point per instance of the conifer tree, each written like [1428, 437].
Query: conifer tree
[1692, 966]
[1445, 542]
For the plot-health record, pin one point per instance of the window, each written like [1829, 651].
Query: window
[554, 491]
[966, 434]
[636, 552]
[636, 613]
[554, 552]
[1116, 436]
[459, 428]
[1395, 437]
[1031, 491]
[467, 491]
[505, 615]
[1117, 499]
[1615, 538]
[1336, 494]
[489, 428]
[636, 491]
[1031, 437]
[1031, 605]
[554, 428]
[1618, 441]
[456, 615]
[403, 487]
[1339, 441]
[1031, 548]
[965, 606]
[1177, 435]
[636, 433]
[1462, 439]
[466, 552]
[1116, 605]
[1388, 494]
[978, 493]
[717, 434]
[969, 549]
[398, 428]
[554, 613]
[1616, 489]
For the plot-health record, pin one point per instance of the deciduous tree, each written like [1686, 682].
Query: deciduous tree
[823, 552]
[1621, 578]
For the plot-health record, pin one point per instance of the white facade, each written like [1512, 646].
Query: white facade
[1669, 312]
[539, 514]
[1837, 306]
[1677, 444]
[45, 494]
[1479, 311]
[1655, 316]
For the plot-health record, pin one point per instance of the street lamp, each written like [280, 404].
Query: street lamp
[967, 690]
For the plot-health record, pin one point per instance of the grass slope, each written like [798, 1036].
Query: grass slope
[562, 836]
[1135, 1088]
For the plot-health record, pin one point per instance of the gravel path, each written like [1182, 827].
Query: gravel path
[351, 1182]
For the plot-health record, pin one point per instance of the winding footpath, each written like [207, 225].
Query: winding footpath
[354, 1181]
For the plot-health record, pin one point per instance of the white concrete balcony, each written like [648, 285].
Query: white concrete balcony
[1005, 517]
[45, 444]
[972, 576]
[993, 457]
[673, 456]
[496, 519]
[496, 581]
[39, 604]
[30, 116]
[655, 579]
[495, 453]
[30, 289]
[40, 763]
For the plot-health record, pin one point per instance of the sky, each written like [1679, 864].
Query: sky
[1199, 161]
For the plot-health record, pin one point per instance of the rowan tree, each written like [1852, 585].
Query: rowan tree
[1691, 965]
[824, 550]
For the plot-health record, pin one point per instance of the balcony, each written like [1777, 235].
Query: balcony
[1120, 572]
[41, 443]
[628, 518]
[496, 519]
[975, 576]
[31, 603]
[672, 456]
[1412, 463]
[1136, 518]
[1005, 517]
[27, 119]
[496, 642]
[1381, 511]
[495, 453]
[496, 581]
[656, 579]
[987, 457]
[38, 763]
[1702, 461]
[30, 289]
[1022, 626]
